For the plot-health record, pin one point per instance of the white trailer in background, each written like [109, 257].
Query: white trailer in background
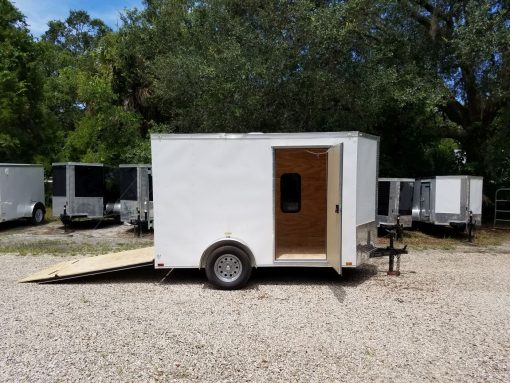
[136, 194]
[448, 200]
[22, 192]
[230, 202]
[395, 201]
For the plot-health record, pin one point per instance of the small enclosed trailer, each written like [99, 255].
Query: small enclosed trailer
[395, 201]
[85, 190]
[448, 200]
[230, 202]
[136, 194]
[22, 192]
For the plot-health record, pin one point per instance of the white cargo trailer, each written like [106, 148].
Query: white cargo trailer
[230, 202]
[448, 200]
[395, 201]
[22, 192]
[136, 206]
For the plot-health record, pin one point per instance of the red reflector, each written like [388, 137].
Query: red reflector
[161, 264]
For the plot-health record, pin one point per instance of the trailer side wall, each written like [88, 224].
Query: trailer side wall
[20, 188]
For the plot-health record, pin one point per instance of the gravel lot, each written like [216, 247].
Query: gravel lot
[446, 318]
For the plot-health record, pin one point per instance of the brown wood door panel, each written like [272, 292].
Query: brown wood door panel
[304, 231]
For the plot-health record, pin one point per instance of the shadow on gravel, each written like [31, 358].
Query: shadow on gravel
[20, 224]
[268, 276]
[312, 276]
[438, 231]
[90, 224]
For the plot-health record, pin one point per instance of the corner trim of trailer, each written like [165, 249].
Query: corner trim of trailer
[223, 242]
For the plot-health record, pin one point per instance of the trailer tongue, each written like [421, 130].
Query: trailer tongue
[100, 264]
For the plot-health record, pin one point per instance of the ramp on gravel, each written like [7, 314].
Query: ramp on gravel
[100, 264]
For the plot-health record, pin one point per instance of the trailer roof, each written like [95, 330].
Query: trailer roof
[453, 176]
[76, 164]
[135, 166]
[21, 165]
[258, 136]
[396, 179]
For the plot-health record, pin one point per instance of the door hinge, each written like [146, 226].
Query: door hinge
[337, 209]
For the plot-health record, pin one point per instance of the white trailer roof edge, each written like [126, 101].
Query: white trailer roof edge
[448, 176]
[396, 179]
[77, 164]
[261, 136]
[21, 165]
[135, 165]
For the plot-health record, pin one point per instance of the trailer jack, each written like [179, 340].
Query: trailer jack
[138, 224]
[470, 226]
[65, 219]
[390, 251]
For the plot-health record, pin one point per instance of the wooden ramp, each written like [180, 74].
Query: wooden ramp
[100, 264]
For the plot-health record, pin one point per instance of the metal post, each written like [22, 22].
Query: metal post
[391, 257]
[398, 227]
[137, 225]
[65, 218]
[470, 227]
[390, 268]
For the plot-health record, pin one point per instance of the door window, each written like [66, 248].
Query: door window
[290, 192]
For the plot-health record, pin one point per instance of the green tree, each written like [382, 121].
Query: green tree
[80, 59]
[78, 34]
[22, 125]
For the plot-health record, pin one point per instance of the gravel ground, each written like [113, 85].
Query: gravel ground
[446, 318]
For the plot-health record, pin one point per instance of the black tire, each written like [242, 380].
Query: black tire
[236, 268]
[38, 214]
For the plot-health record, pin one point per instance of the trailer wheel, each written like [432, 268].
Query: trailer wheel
[228, 268]
[38, 214]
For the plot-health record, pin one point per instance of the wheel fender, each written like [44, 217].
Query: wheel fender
[36, 205]
[29, 208]
[225, 242]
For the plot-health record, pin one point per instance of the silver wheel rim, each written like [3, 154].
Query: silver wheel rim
[228, 268]
[38, 215]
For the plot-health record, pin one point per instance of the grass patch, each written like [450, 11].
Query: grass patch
[449, 240]
[48, 217]
[64, 248]
[417, 240]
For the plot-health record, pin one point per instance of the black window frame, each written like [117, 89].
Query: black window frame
[405, 206]
[59, 181]
[128, 183]
[383, 198]
[88, 181]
